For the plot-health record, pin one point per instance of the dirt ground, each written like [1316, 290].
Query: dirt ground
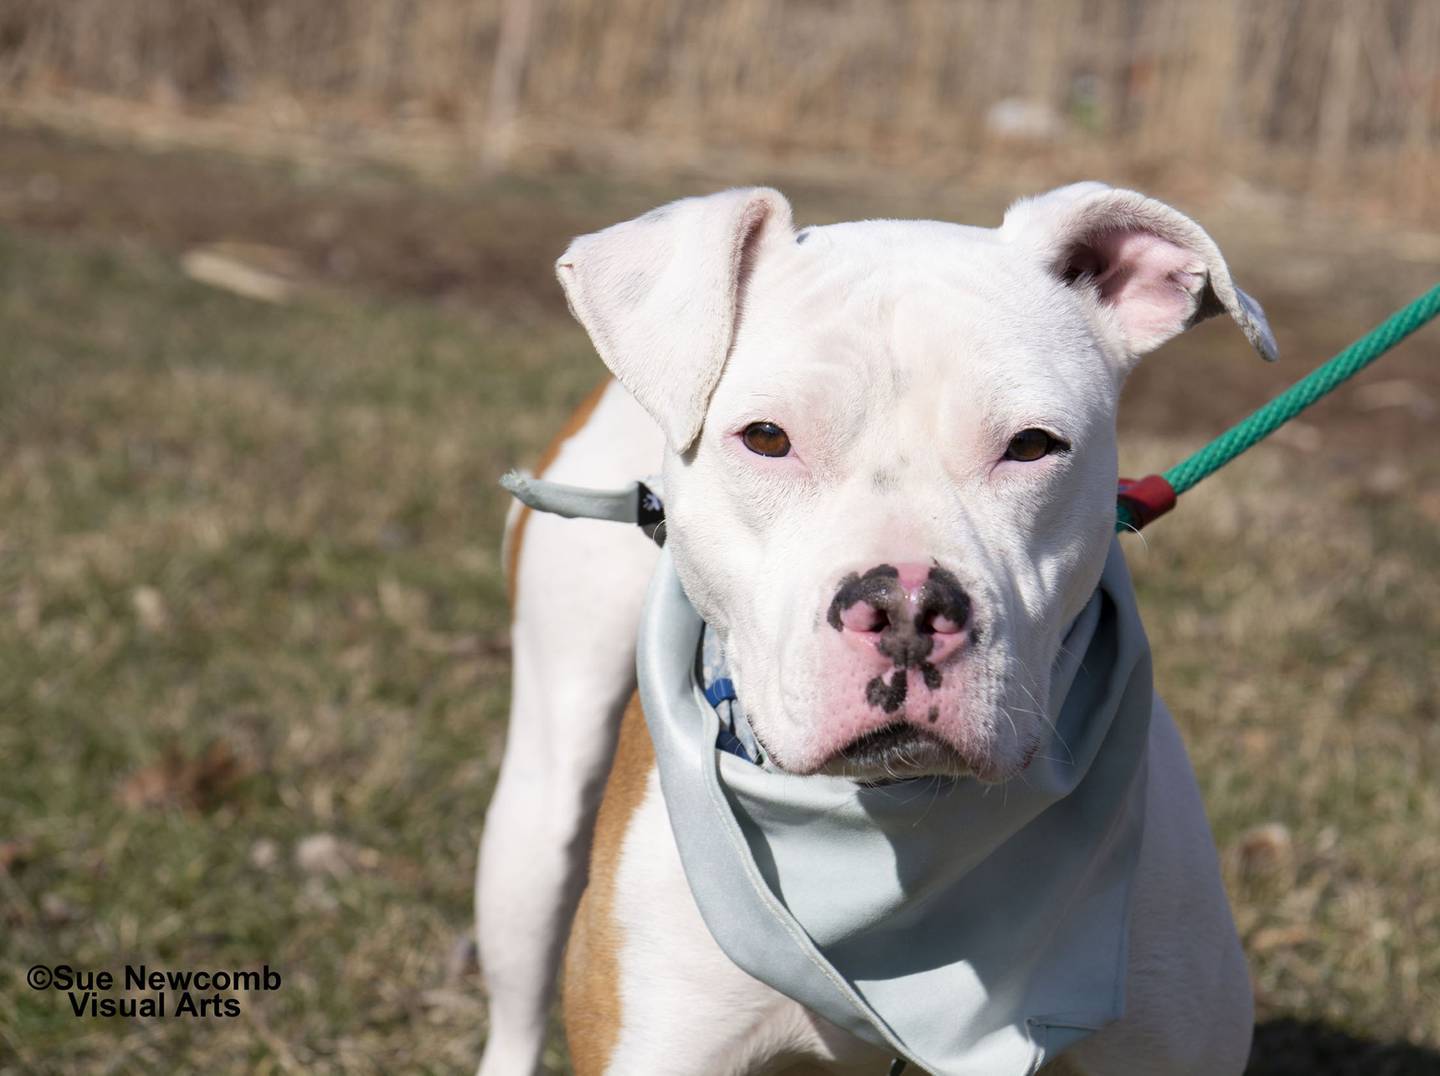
[253, 634]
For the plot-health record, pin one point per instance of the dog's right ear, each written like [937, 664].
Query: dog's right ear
[659, 296]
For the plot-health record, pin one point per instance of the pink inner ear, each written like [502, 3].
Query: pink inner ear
[1152, 284]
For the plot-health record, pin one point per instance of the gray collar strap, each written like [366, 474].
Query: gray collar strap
[639, 503]
[974, 930]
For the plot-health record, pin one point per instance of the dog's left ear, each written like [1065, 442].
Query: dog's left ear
[660, 296]
[1152, 270]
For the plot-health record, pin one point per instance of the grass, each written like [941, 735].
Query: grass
[251, 594]
[253, 665]
[1295, 637]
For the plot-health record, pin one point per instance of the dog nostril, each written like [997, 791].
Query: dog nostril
[935, 622]
[943, 625]
[944, 607]
[864, 618]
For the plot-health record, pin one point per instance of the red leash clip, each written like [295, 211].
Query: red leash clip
[1147, 498]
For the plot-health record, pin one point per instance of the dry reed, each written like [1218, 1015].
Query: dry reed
[1345, 93]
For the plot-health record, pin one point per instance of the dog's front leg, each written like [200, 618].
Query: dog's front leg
[1189, 1009]
[647, 989]
[578, 586]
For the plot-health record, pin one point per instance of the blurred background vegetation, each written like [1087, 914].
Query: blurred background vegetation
[1328, 96]
[276, 309]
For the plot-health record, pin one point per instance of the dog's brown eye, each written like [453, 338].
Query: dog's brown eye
[1027, 446]
[766, 439]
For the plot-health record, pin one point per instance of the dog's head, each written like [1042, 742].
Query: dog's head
[890, 483]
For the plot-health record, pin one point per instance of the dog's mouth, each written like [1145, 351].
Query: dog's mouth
[896, 752]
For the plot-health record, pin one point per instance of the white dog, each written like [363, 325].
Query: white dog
[889, 474]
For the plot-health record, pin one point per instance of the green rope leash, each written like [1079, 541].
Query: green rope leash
[1143, 500]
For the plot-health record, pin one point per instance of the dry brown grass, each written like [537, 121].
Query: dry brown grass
[1338, 97]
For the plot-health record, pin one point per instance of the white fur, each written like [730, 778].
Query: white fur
[698, 1014]
[1189, 1011]
[579, 589]
[901, 357]
[1175, 278]
[658, 295]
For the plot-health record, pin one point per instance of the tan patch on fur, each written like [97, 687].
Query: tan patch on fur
[591, 990]
[573, 425]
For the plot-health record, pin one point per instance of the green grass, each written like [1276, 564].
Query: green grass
[274, 529]
[1295, 631]
[250, 593]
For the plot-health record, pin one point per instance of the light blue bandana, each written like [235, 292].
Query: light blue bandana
[974, 930]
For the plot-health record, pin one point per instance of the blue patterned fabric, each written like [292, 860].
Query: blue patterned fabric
[713, 674]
